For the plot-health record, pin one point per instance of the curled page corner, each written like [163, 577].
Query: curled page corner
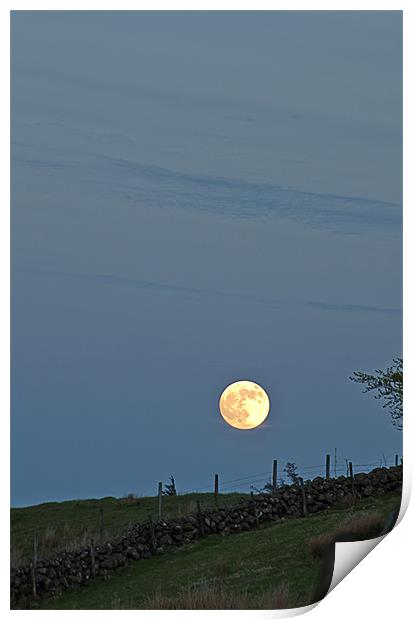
[349, 553]
[291, 612]
[406, 492]
[344, 553]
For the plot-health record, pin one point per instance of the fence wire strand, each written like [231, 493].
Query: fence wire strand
[340, 467]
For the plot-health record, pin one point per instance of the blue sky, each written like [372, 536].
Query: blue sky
[199, 198]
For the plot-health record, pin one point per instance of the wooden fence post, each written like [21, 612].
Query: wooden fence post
[33, 573]
[350, 466]
[254, 508]
[216, 489]
[303, 497]
[92, 560]
[100, 522]
[34, 564]
[200, 518]
[152, 535]
[274, 475]
[159, 500]
[327, 466]
[35, 548]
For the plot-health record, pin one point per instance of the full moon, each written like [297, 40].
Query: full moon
[244, 404]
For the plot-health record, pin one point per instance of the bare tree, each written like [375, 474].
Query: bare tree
[291, 471]
[170, 489]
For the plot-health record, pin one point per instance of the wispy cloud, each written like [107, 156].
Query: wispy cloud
[150, 285]
[133, 182]
[353, 308]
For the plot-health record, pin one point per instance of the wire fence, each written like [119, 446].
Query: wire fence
[256, 482]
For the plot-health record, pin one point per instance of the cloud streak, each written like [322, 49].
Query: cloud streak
[149, 285]
[132, 182]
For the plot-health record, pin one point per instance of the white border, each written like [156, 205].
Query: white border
[379, 586]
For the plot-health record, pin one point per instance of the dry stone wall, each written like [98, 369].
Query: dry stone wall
[51, 576]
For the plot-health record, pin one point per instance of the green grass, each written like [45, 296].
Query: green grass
[252, 563]
[60, 523]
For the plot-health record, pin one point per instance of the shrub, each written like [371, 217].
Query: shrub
[358, 527]
[130, 499]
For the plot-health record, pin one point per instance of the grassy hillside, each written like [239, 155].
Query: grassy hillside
[266, 568]
[62, 524]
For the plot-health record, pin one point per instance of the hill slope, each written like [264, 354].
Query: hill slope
[238, 571]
